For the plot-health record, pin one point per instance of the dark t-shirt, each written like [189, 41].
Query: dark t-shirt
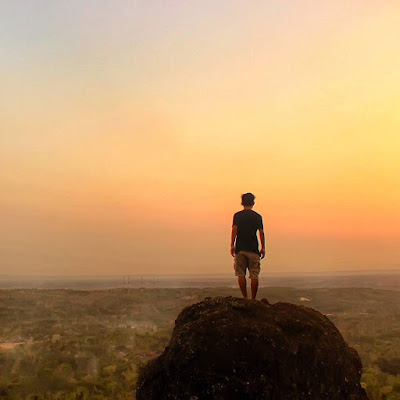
[248, 222]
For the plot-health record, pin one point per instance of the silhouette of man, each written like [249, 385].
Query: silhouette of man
[244, 244]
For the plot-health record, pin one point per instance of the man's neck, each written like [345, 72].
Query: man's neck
[247, 207]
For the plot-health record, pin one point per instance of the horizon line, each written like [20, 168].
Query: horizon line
[265, 273]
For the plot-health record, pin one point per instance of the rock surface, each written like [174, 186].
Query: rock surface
[235, 349]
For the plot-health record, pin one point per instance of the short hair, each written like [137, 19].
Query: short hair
[248, 199]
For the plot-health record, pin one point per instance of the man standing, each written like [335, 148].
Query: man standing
[244, 244]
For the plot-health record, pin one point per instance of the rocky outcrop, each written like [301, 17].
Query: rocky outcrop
[236, 349]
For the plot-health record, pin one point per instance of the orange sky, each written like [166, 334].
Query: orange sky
[128, 133]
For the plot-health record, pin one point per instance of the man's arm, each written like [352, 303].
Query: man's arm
[233, 238]
[262, 241]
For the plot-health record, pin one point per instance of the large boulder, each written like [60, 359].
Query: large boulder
[237, 349]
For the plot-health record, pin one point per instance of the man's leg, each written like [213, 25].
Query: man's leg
[243, 286]
[240, 266]
[254, 269]
[254, 288]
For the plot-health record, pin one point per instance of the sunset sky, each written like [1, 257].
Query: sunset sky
[129, 130]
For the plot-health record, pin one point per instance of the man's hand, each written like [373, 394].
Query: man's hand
[233, 239]
[262, 252]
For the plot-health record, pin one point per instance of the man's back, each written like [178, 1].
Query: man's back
[247, 222]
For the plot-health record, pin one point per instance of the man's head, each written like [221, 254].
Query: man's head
[248, 200]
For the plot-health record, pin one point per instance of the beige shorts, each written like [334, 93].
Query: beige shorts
[247, 260]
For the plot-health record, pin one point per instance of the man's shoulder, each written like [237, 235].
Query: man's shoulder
[247, 215]
[257, 214]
